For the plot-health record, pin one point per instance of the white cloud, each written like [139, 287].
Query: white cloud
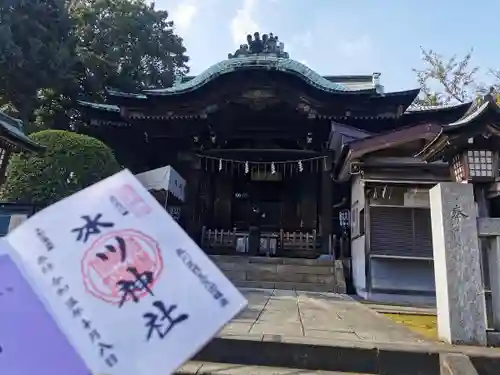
[183, 15]
[243, 22]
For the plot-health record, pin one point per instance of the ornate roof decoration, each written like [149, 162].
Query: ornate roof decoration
[268, 45]
[266, 53]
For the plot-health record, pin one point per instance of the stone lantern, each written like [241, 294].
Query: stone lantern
[474, 165]
[471, 147]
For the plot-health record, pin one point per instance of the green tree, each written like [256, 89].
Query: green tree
[126, 44]
[37, 51]
[446, 80]
[453, 80]
[70, 163]
[55, 51]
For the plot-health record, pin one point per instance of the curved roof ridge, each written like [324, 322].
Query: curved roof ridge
[431, 108]
[474, 112]
[105, 107]
[251, 62]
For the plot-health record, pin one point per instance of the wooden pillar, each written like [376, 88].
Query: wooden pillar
[222, 201]
[189, 212]
[308, 201]
[326, 207]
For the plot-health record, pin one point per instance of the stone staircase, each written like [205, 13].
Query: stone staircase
[312, 275]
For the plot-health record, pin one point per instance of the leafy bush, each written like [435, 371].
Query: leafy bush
[69, 163]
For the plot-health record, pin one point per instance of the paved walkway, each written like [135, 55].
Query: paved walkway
[201, 368]
[282, 315]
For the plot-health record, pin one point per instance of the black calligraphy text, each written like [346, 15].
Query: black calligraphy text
[140, 283]
[112, 249]
[163, 322]
[91, 227]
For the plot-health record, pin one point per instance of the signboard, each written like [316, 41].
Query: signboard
[30, 341]
[123, 280]
[165, 178]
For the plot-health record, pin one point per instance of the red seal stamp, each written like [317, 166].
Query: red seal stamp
[133, 201]
[121, 258]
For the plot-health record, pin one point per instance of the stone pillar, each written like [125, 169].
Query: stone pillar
[457, 265]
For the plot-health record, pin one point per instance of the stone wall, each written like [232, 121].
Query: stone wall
[283, 273]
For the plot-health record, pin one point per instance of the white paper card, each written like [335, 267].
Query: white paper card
[132, 291]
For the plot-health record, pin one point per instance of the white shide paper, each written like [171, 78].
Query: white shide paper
[132, 291]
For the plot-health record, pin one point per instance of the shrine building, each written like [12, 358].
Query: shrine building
[314, 166]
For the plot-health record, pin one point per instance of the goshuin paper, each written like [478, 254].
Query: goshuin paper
[30, 340]
[129, 287]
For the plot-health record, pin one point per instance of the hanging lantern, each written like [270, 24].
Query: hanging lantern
[273, 168]
[220, 165]
[301, 167]
[247, 168]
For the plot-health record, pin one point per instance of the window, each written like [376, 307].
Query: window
[457, 167]
[480, 163]
[361, 222]
[357, 221]
[354, 220]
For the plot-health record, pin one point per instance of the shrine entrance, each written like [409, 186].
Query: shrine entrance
[276, 199]
[279, 199]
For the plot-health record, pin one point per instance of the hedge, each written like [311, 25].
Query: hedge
[70, 162]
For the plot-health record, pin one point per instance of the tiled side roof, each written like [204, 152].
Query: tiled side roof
[14, 128]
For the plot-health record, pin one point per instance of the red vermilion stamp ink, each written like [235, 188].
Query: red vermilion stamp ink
[110, 258]
[133, 201]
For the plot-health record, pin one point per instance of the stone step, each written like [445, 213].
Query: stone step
[208, 368]
[314, 275]
[304, 287]
[341, 356]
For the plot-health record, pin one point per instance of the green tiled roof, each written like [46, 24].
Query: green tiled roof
[14, 131]
[255, 62]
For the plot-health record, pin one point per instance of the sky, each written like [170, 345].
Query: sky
[348, 37]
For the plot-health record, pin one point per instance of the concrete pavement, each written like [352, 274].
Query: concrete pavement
[288, 331]
[287, 314]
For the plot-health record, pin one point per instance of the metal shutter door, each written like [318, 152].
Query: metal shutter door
[391, 231]
[423, 232]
